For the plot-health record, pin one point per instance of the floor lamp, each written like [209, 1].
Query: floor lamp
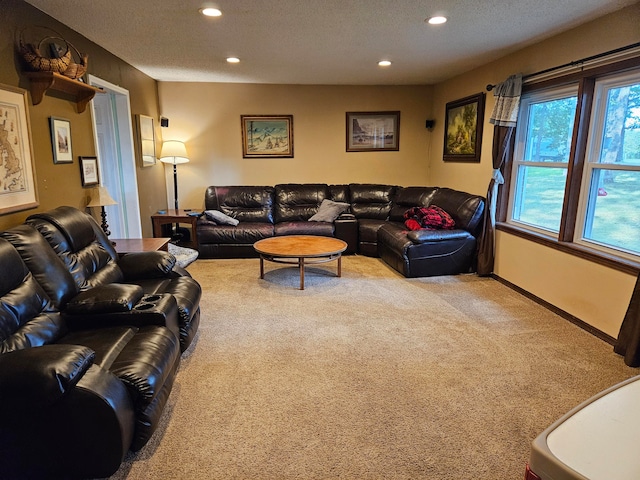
[99, 197]
[174, 152]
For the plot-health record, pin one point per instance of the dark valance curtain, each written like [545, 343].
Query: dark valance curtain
[504, 117]
[628, 343]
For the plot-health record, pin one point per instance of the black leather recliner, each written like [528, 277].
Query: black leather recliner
[92, 261]
[87, 362]
[74, 400]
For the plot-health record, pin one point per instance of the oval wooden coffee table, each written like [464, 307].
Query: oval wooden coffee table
[301, 250]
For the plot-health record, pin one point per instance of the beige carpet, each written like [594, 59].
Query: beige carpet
[368, 376]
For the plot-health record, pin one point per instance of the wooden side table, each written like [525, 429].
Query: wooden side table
[134, 245]
[176, 216]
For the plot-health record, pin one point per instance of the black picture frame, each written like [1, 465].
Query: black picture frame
[89, 171]
[464, 119]
[61, 140]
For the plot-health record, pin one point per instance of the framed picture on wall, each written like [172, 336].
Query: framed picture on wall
[61, 140]
[373, 131]
[463, 129]
[89, 171]
[267, 136]
[146, 140]
[17, 171]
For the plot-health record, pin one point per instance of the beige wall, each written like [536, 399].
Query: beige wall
[207, 117]
[597, 295]
[60, 184]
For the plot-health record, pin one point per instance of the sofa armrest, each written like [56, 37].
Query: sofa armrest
[141, 265]
[110, 298]
[37, 377]
[426, 235]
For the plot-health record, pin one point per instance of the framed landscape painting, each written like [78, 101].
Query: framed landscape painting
[267, 136]
[17, 173]
[373, 131]
[463, 129]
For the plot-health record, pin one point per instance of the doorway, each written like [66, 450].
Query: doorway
[113, 136]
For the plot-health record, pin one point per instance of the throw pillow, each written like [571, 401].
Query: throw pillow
[329, 211]
[220, 218]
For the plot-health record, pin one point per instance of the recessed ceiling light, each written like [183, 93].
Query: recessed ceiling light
[210, 12]
[438, 20]
[233, 60]
[384, 63]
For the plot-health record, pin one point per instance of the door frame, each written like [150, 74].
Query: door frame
[129, 208]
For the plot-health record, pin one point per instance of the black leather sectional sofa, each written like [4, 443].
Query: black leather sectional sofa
[373, 225]
[90, 344]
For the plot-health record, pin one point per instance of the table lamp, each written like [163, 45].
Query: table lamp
[174, 152]
[99, 197]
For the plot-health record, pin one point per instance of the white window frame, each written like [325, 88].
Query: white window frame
[594, 143]
[519, 152]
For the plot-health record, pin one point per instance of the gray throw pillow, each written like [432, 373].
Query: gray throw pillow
[220, 218]
[329, 211]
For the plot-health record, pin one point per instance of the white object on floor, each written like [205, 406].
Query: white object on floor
[596, 440]
[184, 256]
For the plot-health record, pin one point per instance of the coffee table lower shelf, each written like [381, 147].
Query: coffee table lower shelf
[300, 250]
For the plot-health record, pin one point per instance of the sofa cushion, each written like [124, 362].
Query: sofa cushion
[371, 201]
[249, 233]
[408, 197]
[298, 202]
[244, 203]
[465, 209]
[368, 230]
[324, 229]
[329, 211]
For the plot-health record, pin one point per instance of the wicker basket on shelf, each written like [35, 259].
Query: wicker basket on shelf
[77, 70]
[60, 60]
[37, 62]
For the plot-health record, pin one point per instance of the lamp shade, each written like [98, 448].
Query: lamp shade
[174, 152]
[99, 197]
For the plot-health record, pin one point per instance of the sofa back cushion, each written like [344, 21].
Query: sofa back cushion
[409, 197]
[296, 202]
[43, 262]
[81, 245]
[371, 201]
[244, 203]
[465, 209]
[339, 193]
[27, 317]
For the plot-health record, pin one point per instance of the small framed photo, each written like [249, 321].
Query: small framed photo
[463, 129]
[61, 140]
[89, 171]
[147, 140]
[373, 131]
[267, 136]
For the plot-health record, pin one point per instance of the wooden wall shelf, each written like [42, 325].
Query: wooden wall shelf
[40, 82]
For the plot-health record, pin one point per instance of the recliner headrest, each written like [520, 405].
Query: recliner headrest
[74, 225]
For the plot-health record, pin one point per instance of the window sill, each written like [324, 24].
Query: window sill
[626, 266]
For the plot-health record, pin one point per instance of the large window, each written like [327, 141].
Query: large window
[610, 194]
[542, 156]
[575, 174]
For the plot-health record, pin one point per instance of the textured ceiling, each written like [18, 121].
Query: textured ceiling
[331, 42]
